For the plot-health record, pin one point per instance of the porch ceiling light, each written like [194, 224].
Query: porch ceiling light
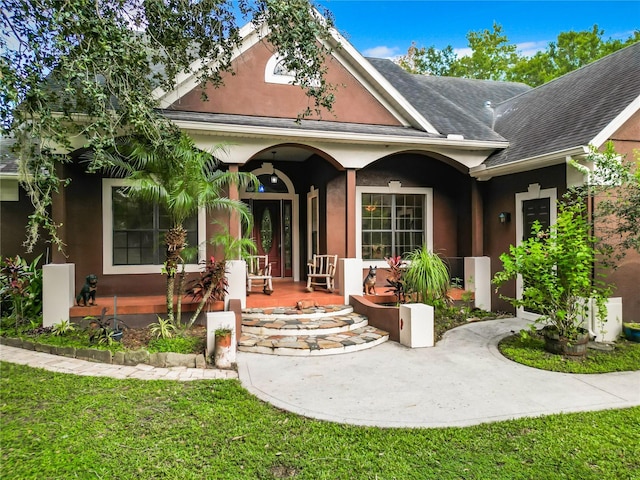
[274, 177]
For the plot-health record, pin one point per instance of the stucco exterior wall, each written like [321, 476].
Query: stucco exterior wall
[499, 195]
[247, 93]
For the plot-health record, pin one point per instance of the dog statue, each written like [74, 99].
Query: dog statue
[369, 282]
[304, 304]
[88, 293]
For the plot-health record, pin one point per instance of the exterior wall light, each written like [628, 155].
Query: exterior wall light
[504, 217]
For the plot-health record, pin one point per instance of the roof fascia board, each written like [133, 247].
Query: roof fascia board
[607, 132]
[554, 158]
[253, 131]
[368, 75]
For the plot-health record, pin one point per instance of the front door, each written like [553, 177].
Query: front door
[539, 210]
[272, 234]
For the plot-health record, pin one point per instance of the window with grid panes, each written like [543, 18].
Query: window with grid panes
[139, 229]
[392, 224]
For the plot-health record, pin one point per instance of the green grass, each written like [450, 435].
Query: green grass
[530, 351]
[57, 426]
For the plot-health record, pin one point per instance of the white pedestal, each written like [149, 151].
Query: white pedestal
[611, 328]
[350, 277]
[237, 282]
[477, 279]
[215, 321]
[58, 286]
[416, 325]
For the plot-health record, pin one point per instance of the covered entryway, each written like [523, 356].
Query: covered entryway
[274, 205]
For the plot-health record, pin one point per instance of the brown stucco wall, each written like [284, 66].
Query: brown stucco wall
[451, 200]
[246, 93]
[499, 196]
[14, 216]
[626, 275]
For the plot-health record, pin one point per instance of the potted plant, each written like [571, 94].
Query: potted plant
[631, 331]
[426, 276]
[556, 267]
[222, 347]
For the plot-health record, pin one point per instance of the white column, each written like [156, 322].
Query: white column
[416, 325]
[350, 277]
[477, 279]
[218, 320]
[237, 282]
[610, 328]
[58, 286]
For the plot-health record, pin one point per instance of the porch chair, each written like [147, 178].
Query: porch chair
[259, 269]
[320, 272]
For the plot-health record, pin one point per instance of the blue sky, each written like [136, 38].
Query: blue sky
[386, 28]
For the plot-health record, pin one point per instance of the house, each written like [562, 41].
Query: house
[463, 166]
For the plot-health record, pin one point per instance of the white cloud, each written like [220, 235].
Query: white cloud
[529, 49]
[381, 52]
[462, 52]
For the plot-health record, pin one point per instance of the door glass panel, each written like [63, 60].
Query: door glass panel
[266, 231]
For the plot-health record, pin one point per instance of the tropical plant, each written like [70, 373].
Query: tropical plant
[21, 289]
[182, 179]
[164, 328]
[63, 327]
[395, 278]
[556, 268]
[234, 248]
[427, 275]
[209, 287]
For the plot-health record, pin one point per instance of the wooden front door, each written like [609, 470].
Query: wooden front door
[272, 232]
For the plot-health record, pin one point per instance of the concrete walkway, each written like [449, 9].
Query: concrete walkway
[464, 380]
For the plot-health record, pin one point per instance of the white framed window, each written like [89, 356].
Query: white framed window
[133, 233]
[392, 220]
[277, 72]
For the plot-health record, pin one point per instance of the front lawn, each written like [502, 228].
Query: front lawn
[58, 426]
[529, 350]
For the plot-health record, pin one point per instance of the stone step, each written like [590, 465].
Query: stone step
[305, 345]
[303, 324]
[290, 312]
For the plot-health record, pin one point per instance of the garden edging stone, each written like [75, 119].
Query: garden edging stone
[129, 358]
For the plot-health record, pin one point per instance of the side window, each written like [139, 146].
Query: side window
[535, 210]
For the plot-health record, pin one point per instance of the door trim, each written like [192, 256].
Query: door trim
[267, 168]
[533, 192]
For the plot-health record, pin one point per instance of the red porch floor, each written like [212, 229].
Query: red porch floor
[286, 294]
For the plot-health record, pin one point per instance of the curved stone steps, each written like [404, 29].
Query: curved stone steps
[323, 344]
[304, 325]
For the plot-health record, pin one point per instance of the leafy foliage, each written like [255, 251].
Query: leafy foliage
[209, 287]
[556, 267]
[163, 328]
[395, 277]
[427, 275]
[21, 289]
[494, 58]
[82, 73]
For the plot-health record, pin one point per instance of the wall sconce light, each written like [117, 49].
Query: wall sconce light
[274, 177]
[504, 217]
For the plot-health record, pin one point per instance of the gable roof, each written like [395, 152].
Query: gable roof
[571, 111]
[455, 106]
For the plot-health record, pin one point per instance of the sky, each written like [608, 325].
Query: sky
[386, 28]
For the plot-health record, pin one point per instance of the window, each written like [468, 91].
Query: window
[133, 232]
[393, 223]
[139, 229]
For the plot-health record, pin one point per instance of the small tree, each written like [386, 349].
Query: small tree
[556, 267]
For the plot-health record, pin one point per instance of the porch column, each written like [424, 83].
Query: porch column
[477, 220]
[235, 230]
[351, 214]
[59, 216]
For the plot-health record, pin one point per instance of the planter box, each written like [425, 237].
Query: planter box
[384, 317]
[416, 325]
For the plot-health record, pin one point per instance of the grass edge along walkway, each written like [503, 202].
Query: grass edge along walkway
[63, 426]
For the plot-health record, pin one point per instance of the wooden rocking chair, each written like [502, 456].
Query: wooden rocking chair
[321, 271]
[259, 270]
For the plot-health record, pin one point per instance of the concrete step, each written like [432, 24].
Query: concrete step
[295, 344]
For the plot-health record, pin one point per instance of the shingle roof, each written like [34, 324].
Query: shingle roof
[451, 105]
[568, 111]
[303, 125]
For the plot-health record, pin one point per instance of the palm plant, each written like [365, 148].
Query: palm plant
[427, 275]
[182, 179]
